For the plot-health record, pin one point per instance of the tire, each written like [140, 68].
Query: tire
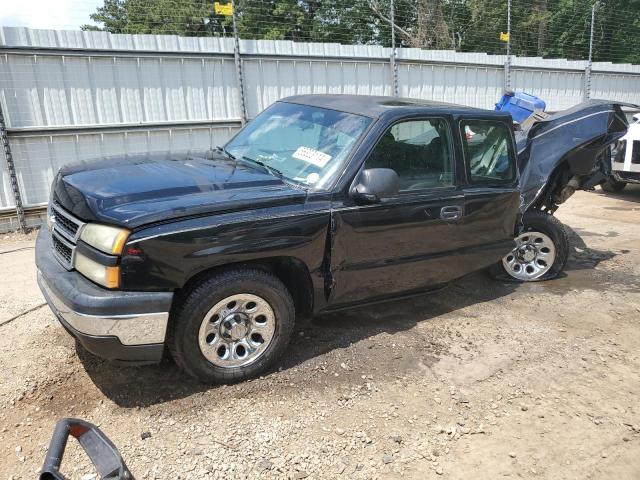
[544, 266]
[201, 323]
[611, 185]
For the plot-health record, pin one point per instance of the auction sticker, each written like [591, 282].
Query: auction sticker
[314, 157]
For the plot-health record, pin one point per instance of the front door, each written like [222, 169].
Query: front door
[407, 242]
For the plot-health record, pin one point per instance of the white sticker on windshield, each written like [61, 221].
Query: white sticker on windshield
[314, 157]
[313, 178]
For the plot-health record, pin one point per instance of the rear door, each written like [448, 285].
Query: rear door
[491, 190]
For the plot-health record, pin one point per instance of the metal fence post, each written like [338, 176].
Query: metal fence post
[394, 63]
[507, 64]
[239, 67]
[4, 138]
[587, 70]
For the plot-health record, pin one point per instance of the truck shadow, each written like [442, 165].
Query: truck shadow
[313, 339]
[131, 387]
[581, 256]
[631, 193]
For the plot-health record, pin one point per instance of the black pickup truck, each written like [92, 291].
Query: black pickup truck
[321, 202]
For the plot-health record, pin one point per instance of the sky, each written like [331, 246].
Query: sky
[54, 14]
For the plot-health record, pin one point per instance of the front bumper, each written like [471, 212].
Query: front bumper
[115, 325]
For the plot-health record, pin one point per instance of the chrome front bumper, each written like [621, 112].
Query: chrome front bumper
[133, 329]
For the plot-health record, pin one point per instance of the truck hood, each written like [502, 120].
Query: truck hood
[137, 191]
[567, 151]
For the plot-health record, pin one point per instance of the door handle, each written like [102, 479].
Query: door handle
[451, 213]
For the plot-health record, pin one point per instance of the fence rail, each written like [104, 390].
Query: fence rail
[73, 95]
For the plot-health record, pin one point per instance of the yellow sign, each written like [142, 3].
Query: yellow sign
[504, 37]
[223, 8]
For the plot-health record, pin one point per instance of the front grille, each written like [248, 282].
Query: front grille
[65, 223]
[63, 251]
[66, 232]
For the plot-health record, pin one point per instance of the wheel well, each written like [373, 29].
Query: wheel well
[546, 199]
[559, 186]
[289, 270]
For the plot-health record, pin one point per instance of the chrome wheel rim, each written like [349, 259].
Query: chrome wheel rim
[237, 330]
[532, 258]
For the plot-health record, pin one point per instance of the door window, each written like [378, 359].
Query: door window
[419, 151]
[488, 152]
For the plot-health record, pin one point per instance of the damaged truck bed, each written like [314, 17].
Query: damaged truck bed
[566, 152]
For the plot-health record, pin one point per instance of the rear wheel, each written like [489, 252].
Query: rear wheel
[233, 326]
[541, 251]
[611, 185]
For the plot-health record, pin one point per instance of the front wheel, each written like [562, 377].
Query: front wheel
[541, 251]
[232, 326]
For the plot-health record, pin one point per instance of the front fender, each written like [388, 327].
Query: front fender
[166, 257]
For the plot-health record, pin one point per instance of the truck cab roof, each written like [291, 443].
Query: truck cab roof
[376, 106]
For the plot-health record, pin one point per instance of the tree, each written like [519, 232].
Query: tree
[617, 32]
[177, 17]
[484, 20]
[343, 21]
[549, 28]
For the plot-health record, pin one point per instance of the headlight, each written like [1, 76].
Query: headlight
[105, 238]
[106, 276]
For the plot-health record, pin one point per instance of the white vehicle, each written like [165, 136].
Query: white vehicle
[625, 159]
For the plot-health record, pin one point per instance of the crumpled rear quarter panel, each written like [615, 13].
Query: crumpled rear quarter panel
[578, 135]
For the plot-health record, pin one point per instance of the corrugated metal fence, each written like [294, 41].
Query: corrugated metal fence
[70, 95]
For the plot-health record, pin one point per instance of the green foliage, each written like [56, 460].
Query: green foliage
[178, 17]
[549, 28]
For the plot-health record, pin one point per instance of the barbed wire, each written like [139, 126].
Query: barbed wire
[546, 28]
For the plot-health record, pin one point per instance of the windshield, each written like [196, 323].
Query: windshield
[307, 145]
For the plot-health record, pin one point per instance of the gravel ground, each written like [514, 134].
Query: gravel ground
[480, 380]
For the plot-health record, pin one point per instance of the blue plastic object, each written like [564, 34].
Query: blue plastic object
[520, 105]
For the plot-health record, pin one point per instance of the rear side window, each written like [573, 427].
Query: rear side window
[488, 152]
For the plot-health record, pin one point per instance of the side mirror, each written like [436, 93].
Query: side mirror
[373, 184]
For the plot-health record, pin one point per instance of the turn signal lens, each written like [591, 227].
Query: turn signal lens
[106, 276]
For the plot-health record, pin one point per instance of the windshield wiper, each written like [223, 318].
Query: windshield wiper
[226, 152]
[268, 168]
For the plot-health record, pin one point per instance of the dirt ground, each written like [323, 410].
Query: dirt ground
[481, 380]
